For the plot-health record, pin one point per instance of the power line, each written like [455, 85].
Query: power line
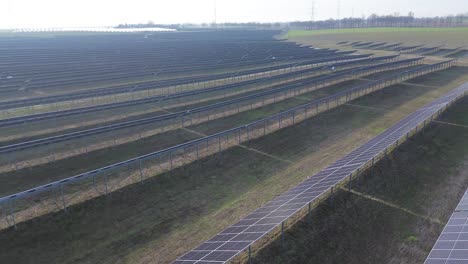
[312, 15]
[215, 14]
[338, 13]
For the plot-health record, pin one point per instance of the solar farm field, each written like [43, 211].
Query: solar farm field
[153, 148]
[450, 37]
[394, 213]
[433, 43]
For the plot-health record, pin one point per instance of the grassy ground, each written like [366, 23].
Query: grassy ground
[42, 174]
[297, 33]
[451, 37]
[405, 205]
[124, 113]
[380, 75]
[448, 38]
[122, 81]
[37, 175]
[176, 211]
[42, 151]
[101, 118]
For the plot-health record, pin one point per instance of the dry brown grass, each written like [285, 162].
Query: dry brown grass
[177, 211]
[63, 150]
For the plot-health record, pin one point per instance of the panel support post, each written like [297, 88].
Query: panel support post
[141, 171]
[63, 198]
[349, 183]
[12, 213]
[170, 156]
[107, 188]
[282, 233]
[250, 254]
[94, 182]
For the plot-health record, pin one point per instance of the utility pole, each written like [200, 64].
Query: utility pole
[312, 15]
[338, 13]
[215, 18]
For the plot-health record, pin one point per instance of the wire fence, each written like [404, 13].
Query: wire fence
[184, 98]
[137, 129]
[154, 90]
[297, 201]
[61, 194]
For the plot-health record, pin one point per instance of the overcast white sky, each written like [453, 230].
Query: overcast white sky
[76, 13]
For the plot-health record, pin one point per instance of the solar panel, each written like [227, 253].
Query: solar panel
[238, 237]
[197, 110]
[452, 245]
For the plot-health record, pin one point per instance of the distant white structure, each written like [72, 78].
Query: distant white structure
[87, 29]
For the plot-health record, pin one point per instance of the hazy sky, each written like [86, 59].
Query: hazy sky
[74, 13]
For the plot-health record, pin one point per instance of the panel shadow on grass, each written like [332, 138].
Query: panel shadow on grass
[425, 177]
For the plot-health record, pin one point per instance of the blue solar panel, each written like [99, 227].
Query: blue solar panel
[236, 238]
[452, 245]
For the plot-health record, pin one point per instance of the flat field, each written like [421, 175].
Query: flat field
[392, 215]
[175, 211]
[449, 37]
[410, 196]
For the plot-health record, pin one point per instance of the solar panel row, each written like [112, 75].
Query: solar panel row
[149, 85]
[65, 61]
[160, 97]
[191, 113]
[183, 153]
[238, 237]
[311, 105]
[452, 245]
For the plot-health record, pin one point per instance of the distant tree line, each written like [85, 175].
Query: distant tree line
[149, 24]
[249, 25]
[384, 21]
[373, 20]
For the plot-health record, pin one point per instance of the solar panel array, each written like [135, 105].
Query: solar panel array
[192, 113]
[18, 207]
[165, 83]
[348, 94]
[238, 237]
[452, 245]
[77, 61]
[165, 94]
